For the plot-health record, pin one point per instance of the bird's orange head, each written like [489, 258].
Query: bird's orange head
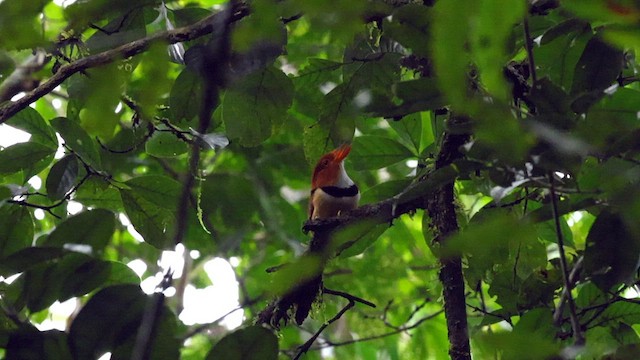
[327, 171]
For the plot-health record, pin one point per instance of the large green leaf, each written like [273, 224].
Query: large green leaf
[164, 144]
[20, 20]
[231, 198]
[374, 152]
[489, 40]
[76, 138]
[184, 100]
[612, 251]
[251, 343]
[255, 107]
[62, 177]
[92, 227]
[598, 67]
[28, 343]
[22, 260]
[103, 326]
[409, 25]
[150, 204]
[119, 31]
[16, 229]
[32, 122]
[97, 192]
[25, 156]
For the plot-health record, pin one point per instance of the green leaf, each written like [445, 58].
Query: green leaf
[489, 39]
[410, 27]
[41, 287]
[150, 203]
[231, 198]
[625, 312]
[598, 67]
[410, 129]
[612, 251]
[384, 190]
[450, 28]
[96, 192]
[356, 238]
[16, 229]
[184, 100]
[562, 29]
[23, 260]
[162, 191]
[375, 152]
[62, 177]
[255, 107]
[119, 31]
[78, 140]
[31, 121]
[103, 326]
[511, 345]
[82, 274]
[338, 113]
[164, 144]
[23, 156]
[92, 227]
[120, 273]
[29, 343]
[250, 343]
[434, 180]
[20, 19]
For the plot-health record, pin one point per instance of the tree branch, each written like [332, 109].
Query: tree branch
[202, 27]
[575, 323]
[441, 208]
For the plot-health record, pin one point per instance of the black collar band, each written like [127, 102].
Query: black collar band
[340, 192]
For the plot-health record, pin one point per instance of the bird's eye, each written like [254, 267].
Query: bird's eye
[325, 162]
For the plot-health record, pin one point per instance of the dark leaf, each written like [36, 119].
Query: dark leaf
[598, 67]
[92, 227]
[119, 31]
[185, 97]
[32, 122]
[62, 177]
[30, 344]
[23, 260]
[251, 343]
[374, 152]
[612, 251]
[16, 229]
[255, 107]
[78, 140]
[23, 156]
[102, 325]
[164, 144]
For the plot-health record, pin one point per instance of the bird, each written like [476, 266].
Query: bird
[332, 190]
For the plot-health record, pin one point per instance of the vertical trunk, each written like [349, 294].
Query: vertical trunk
[441, 209]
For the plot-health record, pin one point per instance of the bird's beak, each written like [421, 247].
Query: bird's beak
[342, 152]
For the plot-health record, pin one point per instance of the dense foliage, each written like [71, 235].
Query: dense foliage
[198, 122]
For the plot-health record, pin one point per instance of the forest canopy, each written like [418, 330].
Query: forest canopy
[156, 161]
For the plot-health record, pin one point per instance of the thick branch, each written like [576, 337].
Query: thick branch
[441, 208]
[202, 27]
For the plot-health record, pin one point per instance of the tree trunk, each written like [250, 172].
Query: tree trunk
[441, 209]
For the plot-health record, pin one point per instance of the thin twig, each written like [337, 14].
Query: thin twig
[528, 45]
[307, 345]
[328, 344]
[575, 323]
[348, 297]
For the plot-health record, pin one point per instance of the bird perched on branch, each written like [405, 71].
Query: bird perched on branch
[332, 190]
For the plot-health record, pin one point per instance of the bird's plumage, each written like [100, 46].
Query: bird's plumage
[332, 190]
